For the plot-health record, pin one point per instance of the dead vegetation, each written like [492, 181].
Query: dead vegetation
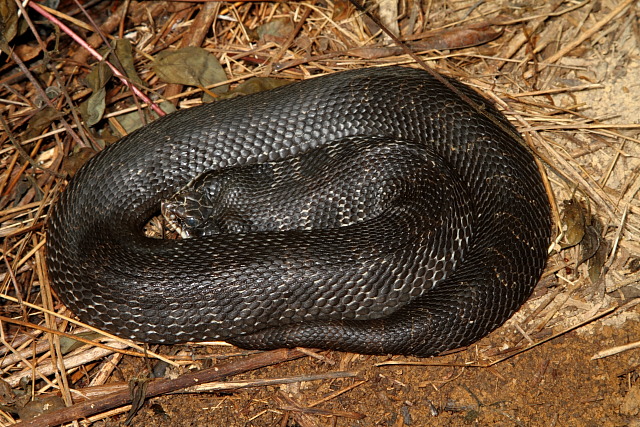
[566, 73]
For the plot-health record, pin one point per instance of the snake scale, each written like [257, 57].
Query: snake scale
[435, 267]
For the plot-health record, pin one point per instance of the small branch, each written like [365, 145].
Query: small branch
[91, 407]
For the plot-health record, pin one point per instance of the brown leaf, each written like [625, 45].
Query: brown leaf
[599, 258]
[341, 10]
[276, 30]
[375, 52]
[8, 24]
[573, 219]
[255, 85]
[39, 406]
[191, 66]
[458, 38]
[132, 121]
[77, 159]
[27, 51]
[93, 108]
[454, 38]
[40, 121]
[124, 53]
[589, 244]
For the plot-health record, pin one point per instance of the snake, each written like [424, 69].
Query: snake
[433, 233]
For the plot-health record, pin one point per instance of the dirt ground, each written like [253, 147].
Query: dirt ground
[566, 73]
[553, 384]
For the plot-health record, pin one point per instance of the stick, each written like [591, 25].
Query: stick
[155, 388]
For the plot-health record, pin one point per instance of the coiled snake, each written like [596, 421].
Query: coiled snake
[454, 247]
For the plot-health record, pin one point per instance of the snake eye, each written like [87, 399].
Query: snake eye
[191, 222]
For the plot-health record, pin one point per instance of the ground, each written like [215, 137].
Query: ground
[553, 384]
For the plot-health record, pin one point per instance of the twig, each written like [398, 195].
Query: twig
[156, 388]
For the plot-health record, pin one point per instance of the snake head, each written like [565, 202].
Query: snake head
[188, 213]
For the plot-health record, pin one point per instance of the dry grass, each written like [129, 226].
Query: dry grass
[542, 64]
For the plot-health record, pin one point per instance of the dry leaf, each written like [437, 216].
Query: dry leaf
[8, 24]
[599, 258]
[76, 159]
[27, 51]
[450, 39]
[457, 38]
[93, 108]
[132, 121]
[342, 9]
[124, 53]
[68, 344]
[584, 230]
[191, 66]
[589, 244]
[573, 219]
[41, 121]
[276, 30]
[39, 406]
[375, 52]
[255, 85]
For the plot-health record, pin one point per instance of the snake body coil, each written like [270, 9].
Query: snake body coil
[436, 266]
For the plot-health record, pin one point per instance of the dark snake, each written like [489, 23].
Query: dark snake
[435, 267]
